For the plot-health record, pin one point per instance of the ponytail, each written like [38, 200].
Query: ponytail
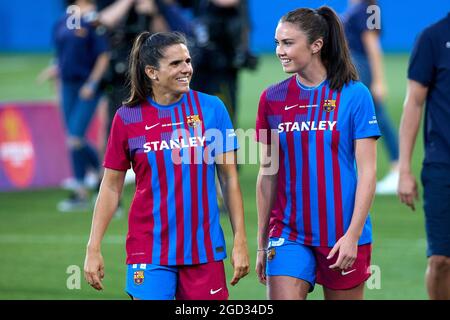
[147, 50]
[140, 85]
[335, 54]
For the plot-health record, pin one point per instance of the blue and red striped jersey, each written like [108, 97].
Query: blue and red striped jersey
[174, 216]
[316, 128]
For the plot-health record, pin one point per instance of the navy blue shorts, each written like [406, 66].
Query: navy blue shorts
[436, 204]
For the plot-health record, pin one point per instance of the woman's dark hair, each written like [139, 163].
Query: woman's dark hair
[335, 54]
[147, 50]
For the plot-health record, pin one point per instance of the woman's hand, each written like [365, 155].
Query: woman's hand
[240, 262]
[261, 259]
[407, 189]
[49, 73]
[348, 250]
[94, 269]
[87, 91]
[147, 7]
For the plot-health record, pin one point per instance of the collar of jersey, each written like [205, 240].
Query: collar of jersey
[304, 87]
[168, 106]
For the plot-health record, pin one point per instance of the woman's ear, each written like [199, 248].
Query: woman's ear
[317, 45]
[151, 72]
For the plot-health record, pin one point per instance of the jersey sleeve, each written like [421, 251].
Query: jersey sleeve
[421, 67]
[262, 125]
[117, 155]
[365, 124]
[224, 125]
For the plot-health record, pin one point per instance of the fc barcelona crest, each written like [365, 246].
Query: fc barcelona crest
[329, 105]
[193, 120]
[138, 277]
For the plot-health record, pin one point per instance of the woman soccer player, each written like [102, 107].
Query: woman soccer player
[175, 138]
[313, 213]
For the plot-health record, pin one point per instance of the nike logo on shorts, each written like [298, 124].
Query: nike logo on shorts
[214, 291]
[344, 273]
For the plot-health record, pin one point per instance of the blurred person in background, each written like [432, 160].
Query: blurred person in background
[367, 56]
[175, 244]
[82, 58]
[313, 213]
[429, 83]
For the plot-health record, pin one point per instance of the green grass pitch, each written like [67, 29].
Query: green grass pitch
[38, 244]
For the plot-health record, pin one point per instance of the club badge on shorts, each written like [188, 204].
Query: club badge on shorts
[193, 120]
[329, 105]
[138, 277]
[271, 254]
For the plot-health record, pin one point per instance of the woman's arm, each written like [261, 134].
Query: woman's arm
[366, 161]
[105, 206]
[265, 194]
[229, 182]
[371, 43]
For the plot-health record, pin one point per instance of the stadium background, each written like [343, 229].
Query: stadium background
[38, 244]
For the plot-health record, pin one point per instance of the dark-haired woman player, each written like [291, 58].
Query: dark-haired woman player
[313, 223]
[174, 138]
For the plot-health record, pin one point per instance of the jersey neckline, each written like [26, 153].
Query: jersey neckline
[168, 106]
[305, 87]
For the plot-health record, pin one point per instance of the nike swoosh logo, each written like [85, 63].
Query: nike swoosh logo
[214, 291]
[150, 127]
[346, 273]
[290, 107]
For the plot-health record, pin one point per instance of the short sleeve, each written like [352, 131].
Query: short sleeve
[117, 150]
[421, 67]
[365, 124]
[224, 125]
[262, 125]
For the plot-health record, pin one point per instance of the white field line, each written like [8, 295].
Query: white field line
[55, 239]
